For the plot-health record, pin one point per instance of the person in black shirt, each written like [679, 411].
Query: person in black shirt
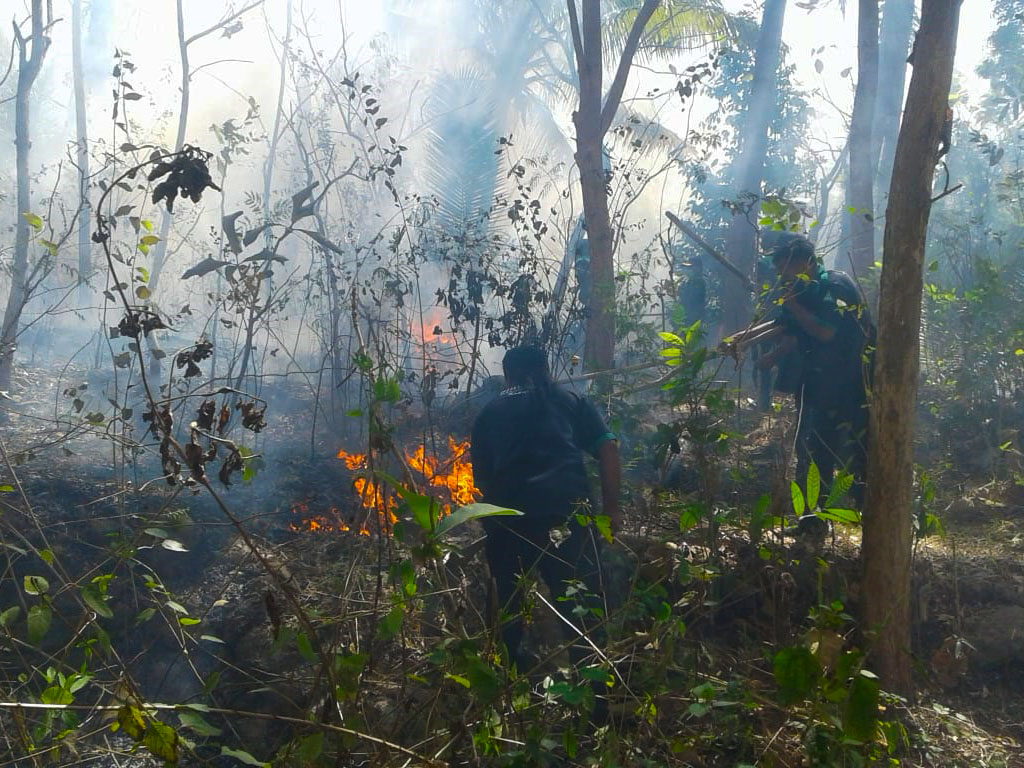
[823, 357]
[527, 451]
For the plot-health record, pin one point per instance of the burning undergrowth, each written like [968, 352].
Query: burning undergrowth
[444, 474]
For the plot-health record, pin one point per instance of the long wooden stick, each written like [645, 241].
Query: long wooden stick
[709, 249]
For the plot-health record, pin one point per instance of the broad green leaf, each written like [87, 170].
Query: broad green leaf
[472, 512]
[39, 619]
[671, 338]
[861, 716]
[96, 600]
[603, 523]
[311, 747]
[391, 624]
[798, 498]
[149, 239]
[132, 721]
[195, 722]
[34, 221]
[813, 485]
[162, 741]
[175, 606]
[305, 647]
[464, 682]
[9, 616]
[847, 516]
[143, 292]
[797, 672]
[36, 585]
[186, 621]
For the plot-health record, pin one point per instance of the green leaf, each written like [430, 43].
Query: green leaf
[156, 533]
[464, 682]
[34, 221]
[243, 757]
[603, 523]
[305, 647]
[671, 338]
[175, 606]
[469, 512]
[311, 747]
[6, 488]
[143, 292]
[796, 672]
[96, 600]
[8, 617]
[186, 621]
[56, 695]
[149, 239]
[847, 516]
[391, 624]
[861, 716]
[842, 484]
[40, 617]
[813, 485]
[798, 498]
[131, 721]
[162, 741]
[36, 585]
[347, 671]
[46, 554]
[195, 722]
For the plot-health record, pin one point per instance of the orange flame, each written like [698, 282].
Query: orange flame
[431, 328]
[449, 480]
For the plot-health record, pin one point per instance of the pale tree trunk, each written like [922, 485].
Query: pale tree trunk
[886, 549]
[894, 46]
[748, 170]
[29, 64]
[859, 191]
[275, 136]
[160, 249]
[82, 152]
[592, 121]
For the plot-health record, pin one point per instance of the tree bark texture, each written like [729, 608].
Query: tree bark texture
[859, 192]
[29, 64]
[748, 170]
[894, 47]
[886, 549]
[81, 149]
[592, 120]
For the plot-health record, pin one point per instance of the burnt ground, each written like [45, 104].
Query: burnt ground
[82, 502]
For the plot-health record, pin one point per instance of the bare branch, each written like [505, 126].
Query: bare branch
[223, 22]
[611, 103]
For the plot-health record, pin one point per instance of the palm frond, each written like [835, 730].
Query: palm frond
[677, 25]
[460, 167]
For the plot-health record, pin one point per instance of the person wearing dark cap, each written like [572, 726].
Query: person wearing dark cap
[823, 356]
[527, 450]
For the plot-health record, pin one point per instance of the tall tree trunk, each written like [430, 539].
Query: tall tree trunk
[748, 169]
[275, 136]
[592, 121]
[29, 65]
[160, 249]
[859, 191]
[82, 151]
[886, 550]
[897, 24]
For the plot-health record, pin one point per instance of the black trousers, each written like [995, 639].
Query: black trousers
[833, 434]
[522, 546]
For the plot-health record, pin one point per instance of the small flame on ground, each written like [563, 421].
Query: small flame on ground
[449, 480]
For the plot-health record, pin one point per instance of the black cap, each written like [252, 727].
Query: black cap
[790, 245]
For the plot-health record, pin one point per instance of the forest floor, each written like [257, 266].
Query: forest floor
[968, 598]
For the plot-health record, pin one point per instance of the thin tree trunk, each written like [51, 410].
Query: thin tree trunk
[859, 192]
[160, 249]
[275, 136]
[748, 171]
[886, 550]
[897, 24]
[82, 151]
[592, 121]
[29, 65]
